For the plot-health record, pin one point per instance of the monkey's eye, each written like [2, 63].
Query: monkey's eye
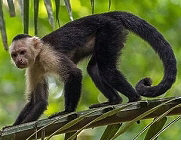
[22, 52]
[13, 55]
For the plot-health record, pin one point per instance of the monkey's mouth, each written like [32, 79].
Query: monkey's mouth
[21, 66]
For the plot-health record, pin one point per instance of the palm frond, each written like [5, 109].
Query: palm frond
[92, 6]
[36, 9]
[26, 15]
[11, 8]
[57, 5]
[109, 7]
[69, 134]
[69, 9]
[71, 123]
[24, 8]
[48, 124]
[113, 114]
[49, 9]
[166, 127]
[103, 116]
[2, 28]
[110, 131]
[125, 127]
[156, 120]
[155, 128]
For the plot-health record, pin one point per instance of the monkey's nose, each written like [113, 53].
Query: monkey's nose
[20, 61]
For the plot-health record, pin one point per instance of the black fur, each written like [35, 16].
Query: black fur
[36, 105]
[109, 92]
[74, 34]
[20, 36]
[109, 31]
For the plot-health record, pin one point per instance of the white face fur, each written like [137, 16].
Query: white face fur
[24, 51]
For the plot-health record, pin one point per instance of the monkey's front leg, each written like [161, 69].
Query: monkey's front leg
[36, 105]
[72, 91]
[31, 112]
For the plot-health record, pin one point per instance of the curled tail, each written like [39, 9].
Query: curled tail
[150, 34]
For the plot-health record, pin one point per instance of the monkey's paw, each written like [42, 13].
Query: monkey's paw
[6, 127]
[134, 99]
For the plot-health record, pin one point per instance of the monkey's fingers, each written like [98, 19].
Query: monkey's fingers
[6, 127]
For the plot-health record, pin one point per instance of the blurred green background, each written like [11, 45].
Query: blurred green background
[138, 60]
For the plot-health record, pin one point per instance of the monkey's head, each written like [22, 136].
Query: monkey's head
[24, 50]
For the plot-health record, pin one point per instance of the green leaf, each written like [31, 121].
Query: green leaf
[69, 9]
[103, 116]
[67, 135]
[92, 6]
[11, 8]
[42, 134]
[109, 7]
[54, 121]
[2, 28]
[36, 8]
[155, 120]
[48, 6]
[26, 15]
[57, 5]
[166, 127]
[155, 128]
[71, 123]
[110, 131]
[129, 124]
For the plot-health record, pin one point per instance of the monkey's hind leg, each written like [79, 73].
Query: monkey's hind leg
[118, 82]
[109, 42]
[110, 93]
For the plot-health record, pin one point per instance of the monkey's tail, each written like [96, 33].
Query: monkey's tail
[160, 45]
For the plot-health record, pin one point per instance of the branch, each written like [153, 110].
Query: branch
[48, 126]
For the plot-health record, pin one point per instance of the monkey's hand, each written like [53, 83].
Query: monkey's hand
[6, 127]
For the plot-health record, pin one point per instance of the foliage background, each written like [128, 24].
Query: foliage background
[138, 60]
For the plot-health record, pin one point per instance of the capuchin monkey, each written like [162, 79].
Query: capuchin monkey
[100, 36]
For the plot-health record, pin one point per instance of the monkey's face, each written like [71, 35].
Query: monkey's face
[20, 58]
[23, 53]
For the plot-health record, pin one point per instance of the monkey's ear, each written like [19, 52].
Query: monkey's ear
[36, 41]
